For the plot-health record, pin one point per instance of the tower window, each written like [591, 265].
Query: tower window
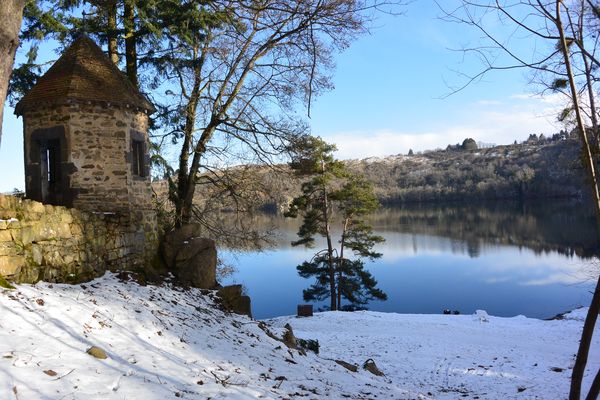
[138, 157]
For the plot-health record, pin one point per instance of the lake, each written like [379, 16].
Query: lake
[508, 258]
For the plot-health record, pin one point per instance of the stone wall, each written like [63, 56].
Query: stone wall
[96, 162]
[59, 244]
[96, 155]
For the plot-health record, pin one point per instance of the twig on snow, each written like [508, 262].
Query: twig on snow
[62, 376]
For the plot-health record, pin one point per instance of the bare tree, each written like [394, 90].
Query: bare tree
[243, 75]
[592, 315]
[11, 15]
[566, 63]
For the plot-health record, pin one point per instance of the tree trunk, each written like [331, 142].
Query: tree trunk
[332, 286]
[11, 15]
[584, 348]
[183, 208]
[130, 46]
[341, 262]
[111, 11]
[187, 200]
[595, 388]
[590, 320]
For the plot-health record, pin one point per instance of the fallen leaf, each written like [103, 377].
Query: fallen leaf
[49, 372]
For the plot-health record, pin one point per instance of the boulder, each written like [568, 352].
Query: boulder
[347, 365]
[192, 259]
[97, 352]
[289, 339]
[233, 300]
[370, 366]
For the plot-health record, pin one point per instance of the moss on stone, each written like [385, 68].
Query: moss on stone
[5, 284]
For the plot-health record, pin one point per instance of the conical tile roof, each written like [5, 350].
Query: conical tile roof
[83, 73]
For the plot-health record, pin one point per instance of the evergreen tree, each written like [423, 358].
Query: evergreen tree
[332, 195]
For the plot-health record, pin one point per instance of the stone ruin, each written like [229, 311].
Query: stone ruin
[89, 201]
[86, 148]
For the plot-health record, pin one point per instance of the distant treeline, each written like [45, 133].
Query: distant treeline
[537, 168]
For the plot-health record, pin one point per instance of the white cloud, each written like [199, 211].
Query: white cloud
[554, 98]
[489, 121]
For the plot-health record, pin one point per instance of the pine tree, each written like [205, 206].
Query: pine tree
[332, 195]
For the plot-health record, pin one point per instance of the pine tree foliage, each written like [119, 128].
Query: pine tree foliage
[333, 198]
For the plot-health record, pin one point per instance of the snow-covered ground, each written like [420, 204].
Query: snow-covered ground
[164, 343]
[458, 356]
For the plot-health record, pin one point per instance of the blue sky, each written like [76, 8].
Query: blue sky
[389, 96]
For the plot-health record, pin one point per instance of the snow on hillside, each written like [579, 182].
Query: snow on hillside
[161, 344]
[458, 356]
[165, 343]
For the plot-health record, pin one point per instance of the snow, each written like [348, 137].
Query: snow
[458, 356]
[163, 343]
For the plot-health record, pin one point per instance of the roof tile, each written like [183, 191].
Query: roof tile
[83, 73]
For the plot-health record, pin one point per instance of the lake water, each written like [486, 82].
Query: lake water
[533, 259]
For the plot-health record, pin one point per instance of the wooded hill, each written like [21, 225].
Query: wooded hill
[537, 168]
[533, 169]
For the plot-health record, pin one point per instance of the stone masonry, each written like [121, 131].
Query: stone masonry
[87, 169]
[97, 152]
[97, 163]
[59, 244]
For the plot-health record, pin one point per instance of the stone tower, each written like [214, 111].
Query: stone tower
[86, 142]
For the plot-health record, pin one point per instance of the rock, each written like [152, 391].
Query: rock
[97, 352]
[347, 365]
[11, 265]
[288, 337]
[481, 316]
[176, 237]
[9, 249]
[37, 254]
[370, 366]
[34, 207]
[5, 236]
[14, 224]
[192, 259]
[233, 300]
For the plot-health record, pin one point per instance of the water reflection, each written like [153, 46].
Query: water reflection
[563, 226]
[532, 259]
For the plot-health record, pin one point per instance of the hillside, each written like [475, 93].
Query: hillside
[166, 343]
[161, 342]
[534, 169]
